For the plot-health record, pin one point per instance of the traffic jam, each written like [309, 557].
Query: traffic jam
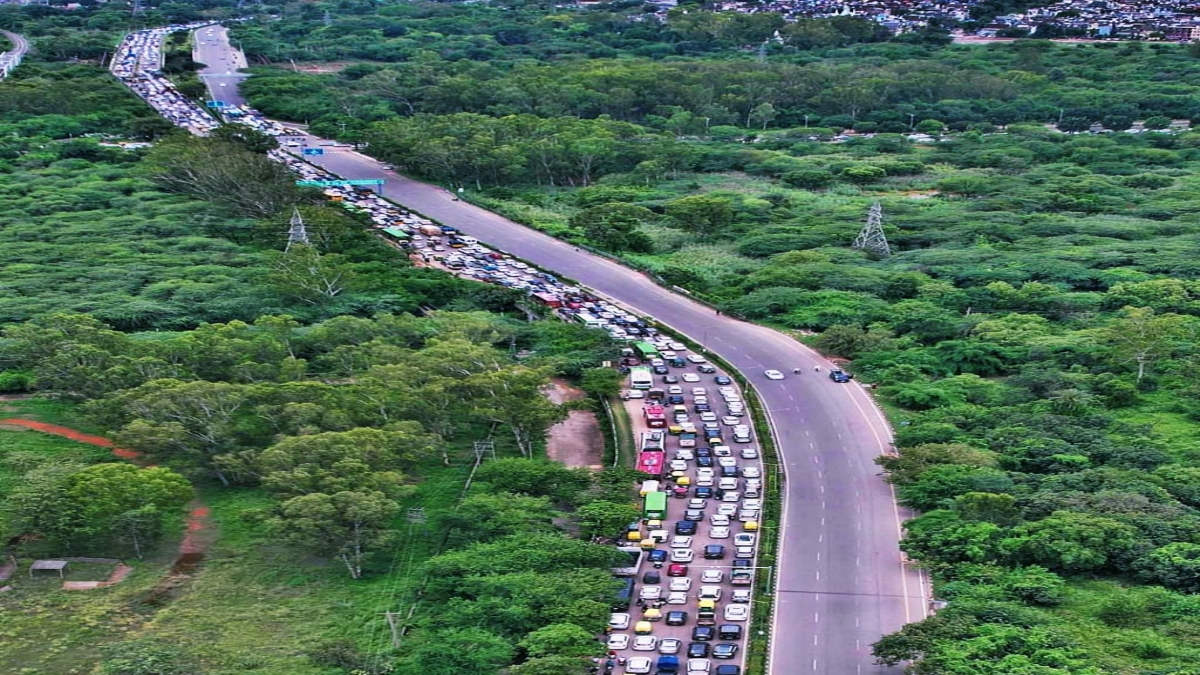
[685, 604]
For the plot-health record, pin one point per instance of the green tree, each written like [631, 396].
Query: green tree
[484, 517]
[703, 214]
[1000, 509]
[552, 665]
[454, 651]
[1142, 337]
[512, 397]
[1156, 122]
[1176, 566]
[305, 274]
[614, 226]
[347, 525]
[560, 639]
[601, 382]
[1071, 541]
[604, 518]
[534, 477]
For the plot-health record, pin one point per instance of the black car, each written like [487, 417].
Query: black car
[839, 375]
[729, 472]
[685, 527]
[652, 577]
[743, 562]
[725, 650]
[704, 634]
[704, 492]
[678, 618]
[704, 452]
[714, 552]
[661, 370]
[698, 650]
[730, 631]
[701, 408]
[695, 515]
[722, 380]
[675, 399]
[706, 368]
[670, 379]
[728, 669]
[704, 461]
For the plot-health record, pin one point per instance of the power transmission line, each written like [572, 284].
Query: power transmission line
[871, 238]
[297, 232]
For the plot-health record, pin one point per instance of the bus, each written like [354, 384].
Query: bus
[655, 506]
[651, 463]
[646, 350]
[640, 377]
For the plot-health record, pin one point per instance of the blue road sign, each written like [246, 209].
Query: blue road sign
[337, 183]
[216, 104]
[314, 151]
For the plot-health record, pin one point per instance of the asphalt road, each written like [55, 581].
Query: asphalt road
[841, 582]
[222, 62]
[13, 56]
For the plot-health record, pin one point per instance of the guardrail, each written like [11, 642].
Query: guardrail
[11, 59]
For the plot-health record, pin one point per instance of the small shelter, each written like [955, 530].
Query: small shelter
[58, 565]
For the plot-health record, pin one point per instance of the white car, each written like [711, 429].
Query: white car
[690, 377]
[670, 645]
[744, 539]
[678, 465]
[700, 400]
[709, 593]
[726, 461]
[741, 436]
[731, 497]
[730, 421]
[749, 453]
[668, 354]
[705, 471]
[677, 598]
[743, 552]
[722, 451]
[752, 504]
[712, 577]
[727, 510]
[704, 480]
[698, 666]
[708, 417]
[681, 542]
[645, 643]
[618, 641]
[682, 555]
[635, 393]
[719, 520]
[675, 390]
[727, 484]
[719, 532]
[677, 346]
[680, 584]
[684, 454]
[699, 391]
[735, 613]
[618, 621]
[650, 592]
[750, 472]
[773, 375]
[727, 390]
[740, 595]
[638, 665]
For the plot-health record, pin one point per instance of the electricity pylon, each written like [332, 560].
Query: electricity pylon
[871, 238]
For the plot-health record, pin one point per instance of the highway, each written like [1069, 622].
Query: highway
[210, 46]
[841, 581]
[12, 58]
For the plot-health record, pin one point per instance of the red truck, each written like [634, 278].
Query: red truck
[656, 415]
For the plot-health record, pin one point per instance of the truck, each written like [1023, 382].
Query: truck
[653, 441]
[656, 416]
[640, 377]
[430, 230]
[706, 614]
[741, 577]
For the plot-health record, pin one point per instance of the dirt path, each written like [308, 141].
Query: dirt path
[198, 536]
[577, 441]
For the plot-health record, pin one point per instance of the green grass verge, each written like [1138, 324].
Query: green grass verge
[625, 449]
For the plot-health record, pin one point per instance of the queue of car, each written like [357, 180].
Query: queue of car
[693, 590]
[137, 64]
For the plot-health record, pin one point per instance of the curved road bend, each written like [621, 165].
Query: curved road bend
[841, 582]
[221, 63]
[9, 59]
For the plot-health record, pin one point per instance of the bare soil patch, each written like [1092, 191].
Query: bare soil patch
[577, 441]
